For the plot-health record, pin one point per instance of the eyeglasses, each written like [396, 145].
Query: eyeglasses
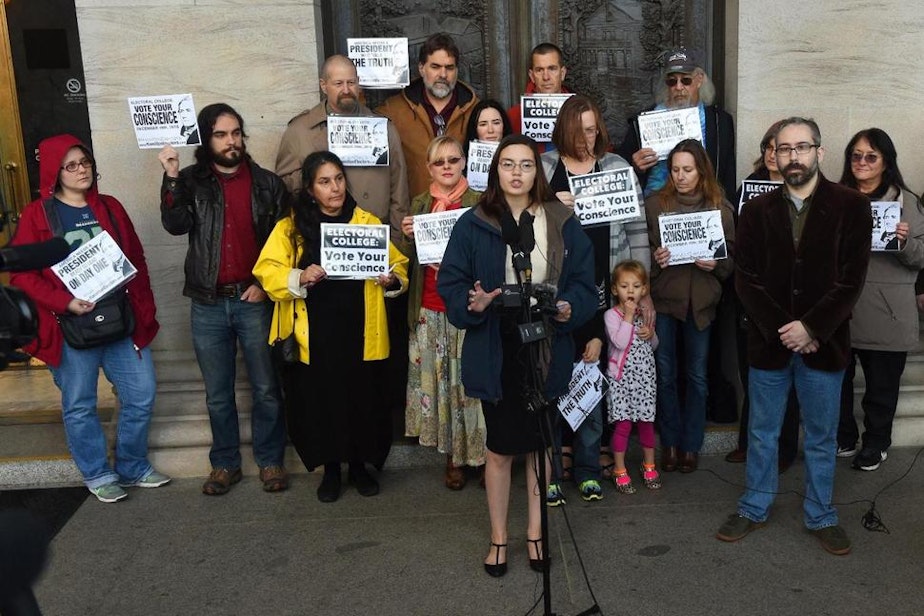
[452, 160]
[785, 151]
[72, 166]
[869, 157]
[440, 125]
[672, 81]
[509, 165]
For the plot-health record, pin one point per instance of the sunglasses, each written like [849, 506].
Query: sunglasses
[672, 81]
[440, 125]
[869, 157]
[452, 160]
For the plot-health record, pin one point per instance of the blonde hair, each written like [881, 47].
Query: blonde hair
[630, 266]
[439, 142]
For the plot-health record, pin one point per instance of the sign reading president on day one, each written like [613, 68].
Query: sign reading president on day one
[693, 236]
[380, 62]
[539, 112]
[359, 141]
[480, 155]
[431, 234]
[662, 130]
[164, 120]
[95, 268]
[605, 196]
[354, 252]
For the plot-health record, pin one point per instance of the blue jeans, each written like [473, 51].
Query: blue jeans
[217, 329]
[585, 445]
[132, 373]
[819, 394]
[681, 427]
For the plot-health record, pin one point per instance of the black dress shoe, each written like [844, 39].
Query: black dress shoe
[497, 568]
[329, 490]
[669, 459]
[365, 484]
[536, 564]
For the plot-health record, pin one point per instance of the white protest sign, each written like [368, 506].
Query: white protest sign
[359, 141]
[164, 120]
[354, 252]
[585, 390]
[539, 112]
[662, 130]
[754, 188]
[380, 62]
[605, 196]
[697, 235]
[95, 268]
[886, 216]
[480, 155]
[431, 234]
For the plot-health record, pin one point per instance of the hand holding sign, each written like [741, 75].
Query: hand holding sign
[170, 161]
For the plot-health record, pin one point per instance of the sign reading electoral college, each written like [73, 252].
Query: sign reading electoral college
[480, 155]
[359, 141]
[431, 234]
[539, 112]
[354, 252]
[585, 390]
[754, 188]
[697, 235]
[662, 130]
[605, 196]
[164, 120]
[380, 62]
[886, 216]
[95, 268]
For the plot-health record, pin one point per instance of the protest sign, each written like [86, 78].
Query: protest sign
[662, 130]
[605, 196]
[480, 154]
[164, 120]
[354, 252]
[95, 268]
[886, 216]
[539, 114]
[359, 141]
[697, 235]
[431, 234]
[754, 188]
[380, 62]
[585, 390]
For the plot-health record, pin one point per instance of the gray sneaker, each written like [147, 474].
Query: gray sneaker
[151, 480]
[736, 527]
[109, 493]
[833, 539]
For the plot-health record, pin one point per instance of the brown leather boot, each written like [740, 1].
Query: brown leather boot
[455, 475]
[669, 459]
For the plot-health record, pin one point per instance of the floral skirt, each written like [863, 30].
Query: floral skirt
[438, 411]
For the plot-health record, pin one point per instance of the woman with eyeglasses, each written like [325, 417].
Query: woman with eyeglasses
[685, 297]
[438, 412]
[884, 325]
[511, 377]
[71, 206]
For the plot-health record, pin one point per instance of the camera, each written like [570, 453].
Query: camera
[537, 302]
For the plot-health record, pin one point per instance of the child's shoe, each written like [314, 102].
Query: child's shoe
[590, 490]
[623, 482]
[651, 477]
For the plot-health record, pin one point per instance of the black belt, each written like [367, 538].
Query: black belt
[231, 290]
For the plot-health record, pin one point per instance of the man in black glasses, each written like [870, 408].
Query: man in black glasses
[686, 85]
[381, 190]
[436, 103]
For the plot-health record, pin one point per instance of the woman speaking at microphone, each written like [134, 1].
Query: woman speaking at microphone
[495, 367]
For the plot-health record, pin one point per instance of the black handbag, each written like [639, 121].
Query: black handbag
[285, 350]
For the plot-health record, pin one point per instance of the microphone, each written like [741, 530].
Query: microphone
[513, 237]
[33, 256]
[527, 243]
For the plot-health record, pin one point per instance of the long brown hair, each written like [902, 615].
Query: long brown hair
[707, 184]
[493, 202]
[568, 135]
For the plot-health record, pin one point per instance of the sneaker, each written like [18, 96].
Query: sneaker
[109, 493]
[591, 490]
[869, 459]
[833, 539]
[623, 482]
[554, 496]
[151, 480]
[736, 527]
[847, 451]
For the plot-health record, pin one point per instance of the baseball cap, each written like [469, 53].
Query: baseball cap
[681, 60]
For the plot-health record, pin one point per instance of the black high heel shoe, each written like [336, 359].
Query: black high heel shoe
[498, 568]
[536, 564]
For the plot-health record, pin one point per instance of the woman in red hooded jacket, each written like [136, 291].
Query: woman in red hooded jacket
[67, 176]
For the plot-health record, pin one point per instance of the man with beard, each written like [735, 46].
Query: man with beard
[801, 259]
[228, 205]
[381, 190]
[686, 85]
[434, 104]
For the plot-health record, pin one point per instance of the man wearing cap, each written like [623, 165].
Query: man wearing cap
[546, 72]
[686, 85]
[381, 190]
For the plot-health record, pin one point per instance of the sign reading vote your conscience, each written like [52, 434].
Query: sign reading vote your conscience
[164, 120]
[95, 268]
[431, 234]
[539, 112]
[886, 216]
[697, 235]
[755, 188]
[605, 196]
[585, 390]
[380, 62]
[480, 155]
[354, 252]
[662, 130]
[359, 141]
